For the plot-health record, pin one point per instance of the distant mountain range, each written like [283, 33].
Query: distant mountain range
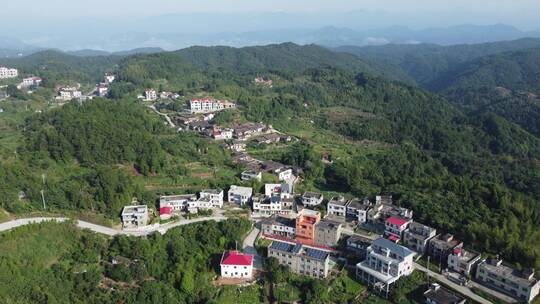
[327, 36]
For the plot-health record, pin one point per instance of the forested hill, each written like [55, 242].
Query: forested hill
[425, 63]
[518, 70]
[60, 68]
[286, 56]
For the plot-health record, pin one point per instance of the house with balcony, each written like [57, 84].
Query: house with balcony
[520, 284]
[269, 205]
[337, 206]
[305, 225]
[215, 196]
[301, 259]
[312, 198]
[417, 237]
[280, 226]
[239, 195]
[463, 261]
[385, 264]
[135, 216]
[441, 246]
[357, 210]
[394, 228]
[174, 204]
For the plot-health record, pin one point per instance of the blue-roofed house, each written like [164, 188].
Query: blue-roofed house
[386, 263]
[301, 259]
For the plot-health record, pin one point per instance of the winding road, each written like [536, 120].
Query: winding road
[108, 230]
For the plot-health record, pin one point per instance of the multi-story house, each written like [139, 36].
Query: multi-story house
[33, 81]
[203, 203]
[150, 94]
[269, 205]
[312, 198]
[359, 245]
[236, 265]
[440, 295]
[462, 261]
[68, 93]
[239, 195]
[215, 195]
[222, 134]
[357, 209]
[176, 203]
[283, 190]
[386, 263]
[327, 233]
[337, 206]
[8, 73]
[520, 284]
[301, 259]
[135, 216]
[394, 227]
[205, 105]
[417, 237]
[280, 226]
[305, 225]
[442, 245]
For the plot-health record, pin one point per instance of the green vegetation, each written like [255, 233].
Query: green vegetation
[75, 266]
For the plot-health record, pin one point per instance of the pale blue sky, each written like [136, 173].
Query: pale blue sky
[95, 8]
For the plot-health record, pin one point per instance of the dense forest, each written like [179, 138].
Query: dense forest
[75, 266]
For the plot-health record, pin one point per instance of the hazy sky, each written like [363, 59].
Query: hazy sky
[95, 8]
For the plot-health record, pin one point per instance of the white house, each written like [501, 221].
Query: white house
[8, 73]
[249, 175]
[386, 263]
[33, 81]
[150, 94]
[205, 105]
[394, 227]
[282, 190]
[236, 265]
[109, 78]
[312, 198]
[176, 203]
[215, 196]
[239, 195]
[135, 216]
[69, 93]
[337, 206]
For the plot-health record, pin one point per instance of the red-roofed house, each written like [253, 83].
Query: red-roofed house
[394, 227]
[165, 212]
[235, 264]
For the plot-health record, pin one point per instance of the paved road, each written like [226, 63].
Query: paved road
[249, 246]
[461, 289]
[107, 230]
[169, 120]
[494, 293]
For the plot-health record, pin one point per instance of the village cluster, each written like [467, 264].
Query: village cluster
[301, 238]
[309, 244]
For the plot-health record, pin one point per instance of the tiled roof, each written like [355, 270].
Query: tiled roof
[236, 258]
[396, 221]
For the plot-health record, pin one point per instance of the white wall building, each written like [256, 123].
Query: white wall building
[206, 105]
[176, 202]
[337, 206]
[150, 94]
[135, 216]
[215, 196]
[236, 265]
[239, 195]
[312, 198]
[386, 263]
[8, 73]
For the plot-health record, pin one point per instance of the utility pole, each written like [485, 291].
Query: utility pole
[43, 199]
[428, 269]
[43, 191]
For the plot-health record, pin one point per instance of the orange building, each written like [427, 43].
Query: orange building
[305, 225]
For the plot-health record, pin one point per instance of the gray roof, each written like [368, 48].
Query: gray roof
[398, 249]
[300, 250]
[313, 194]
[279, 220]
[338, 201]
[442, 295]
[326, 224]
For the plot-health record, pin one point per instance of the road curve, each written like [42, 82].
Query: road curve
[107, 230]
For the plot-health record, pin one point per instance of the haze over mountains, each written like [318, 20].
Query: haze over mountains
[176, 31]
